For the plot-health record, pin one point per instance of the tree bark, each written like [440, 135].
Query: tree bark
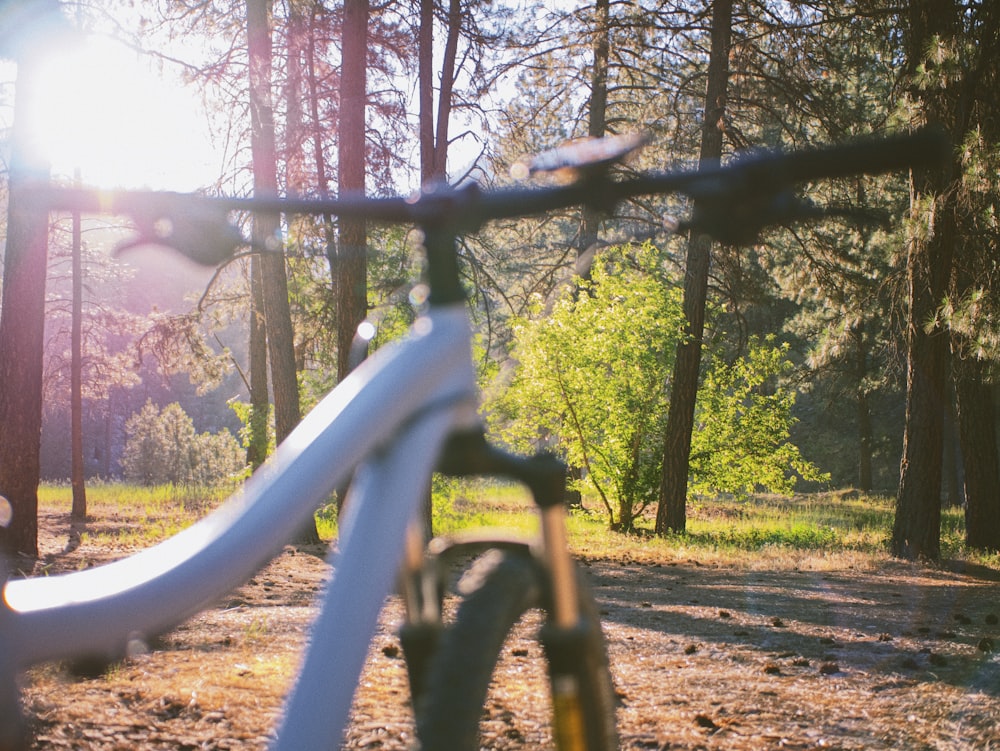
[260, 404]
[671, 512]
[317, 133]
[448, 63]
[297, 30]
[352, 260]
[22, 323]
[266, 232]
[978, 437]
[864, 410]
[425, 87]
[597, 125]
[77, 481]
[917, 527]
[434, 130]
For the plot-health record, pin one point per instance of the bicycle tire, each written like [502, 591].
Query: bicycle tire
[460, 673]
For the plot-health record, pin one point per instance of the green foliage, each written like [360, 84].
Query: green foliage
[162, 447]
[245, 412]
[480, 502]
[741, 441]
[590, 377]
[327, 519]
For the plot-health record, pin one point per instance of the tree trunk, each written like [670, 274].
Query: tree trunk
[425, 87]
[260, 404]
[671, 512]
[317, 134]
[917, 527]
[597, 125]
[77, 481]
[266, 231]
[434, 130]
[352, 259]
[448, 63]
[978, 438]
[297, 31]
[864, 411]
[864, 443]
[277, 315]
[22, 323]
[280, 342]
[952, 484]
[975, 416]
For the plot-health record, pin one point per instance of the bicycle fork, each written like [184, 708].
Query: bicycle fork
[563, 636]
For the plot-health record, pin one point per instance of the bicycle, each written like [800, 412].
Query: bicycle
[409, 409]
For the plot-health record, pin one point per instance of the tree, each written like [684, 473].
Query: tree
[274, 281]
[978, 439]
[950, 53]
[590, 382]
[22, 322]
[162, 447]
[351, 264]
[79, 509]
[433, 132]
[671, 511]
[590, 378]
[258, 418]
[975, 339]
[828, 75]
[743, 440]
[597, 120]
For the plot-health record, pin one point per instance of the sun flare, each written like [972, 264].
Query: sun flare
[102, 110]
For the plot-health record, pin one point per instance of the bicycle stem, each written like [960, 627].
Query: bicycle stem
[468, 453]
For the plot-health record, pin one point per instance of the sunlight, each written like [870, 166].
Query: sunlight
[101, 109]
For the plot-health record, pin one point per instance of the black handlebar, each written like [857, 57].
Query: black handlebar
[732, 202]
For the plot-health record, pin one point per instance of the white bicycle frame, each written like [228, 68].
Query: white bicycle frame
[388, 419]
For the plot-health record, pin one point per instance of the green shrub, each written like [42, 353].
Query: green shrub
[162, 447]
[593, 381]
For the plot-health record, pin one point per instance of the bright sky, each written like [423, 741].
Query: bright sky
[106, 111]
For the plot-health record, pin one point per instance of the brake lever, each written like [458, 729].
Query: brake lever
[581, 157]
[200, 232]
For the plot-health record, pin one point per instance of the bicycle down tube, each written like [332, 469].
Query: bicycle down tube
[427, 379]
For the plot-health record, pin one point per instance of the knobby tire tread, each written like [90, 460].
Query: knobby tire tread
[458, 679]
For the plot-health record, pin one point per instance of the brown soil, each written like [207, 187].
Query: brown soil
[705, 656]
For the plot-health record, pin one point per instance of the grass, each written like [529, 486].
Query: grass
[134, 515]
[834, 529]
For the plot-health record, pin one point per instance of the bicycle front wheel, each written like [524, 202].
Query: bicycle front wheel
[507, 586]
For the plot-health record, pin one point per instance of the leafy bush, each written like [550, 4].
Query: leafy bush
[593, 380]
[162, 447]
[741, 442]
[591, 375]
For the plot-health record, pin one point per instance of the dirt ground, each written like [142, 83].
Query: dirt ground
[705, 656]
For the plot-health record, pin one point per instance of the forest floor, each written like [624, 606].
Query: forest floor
[806, 654]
